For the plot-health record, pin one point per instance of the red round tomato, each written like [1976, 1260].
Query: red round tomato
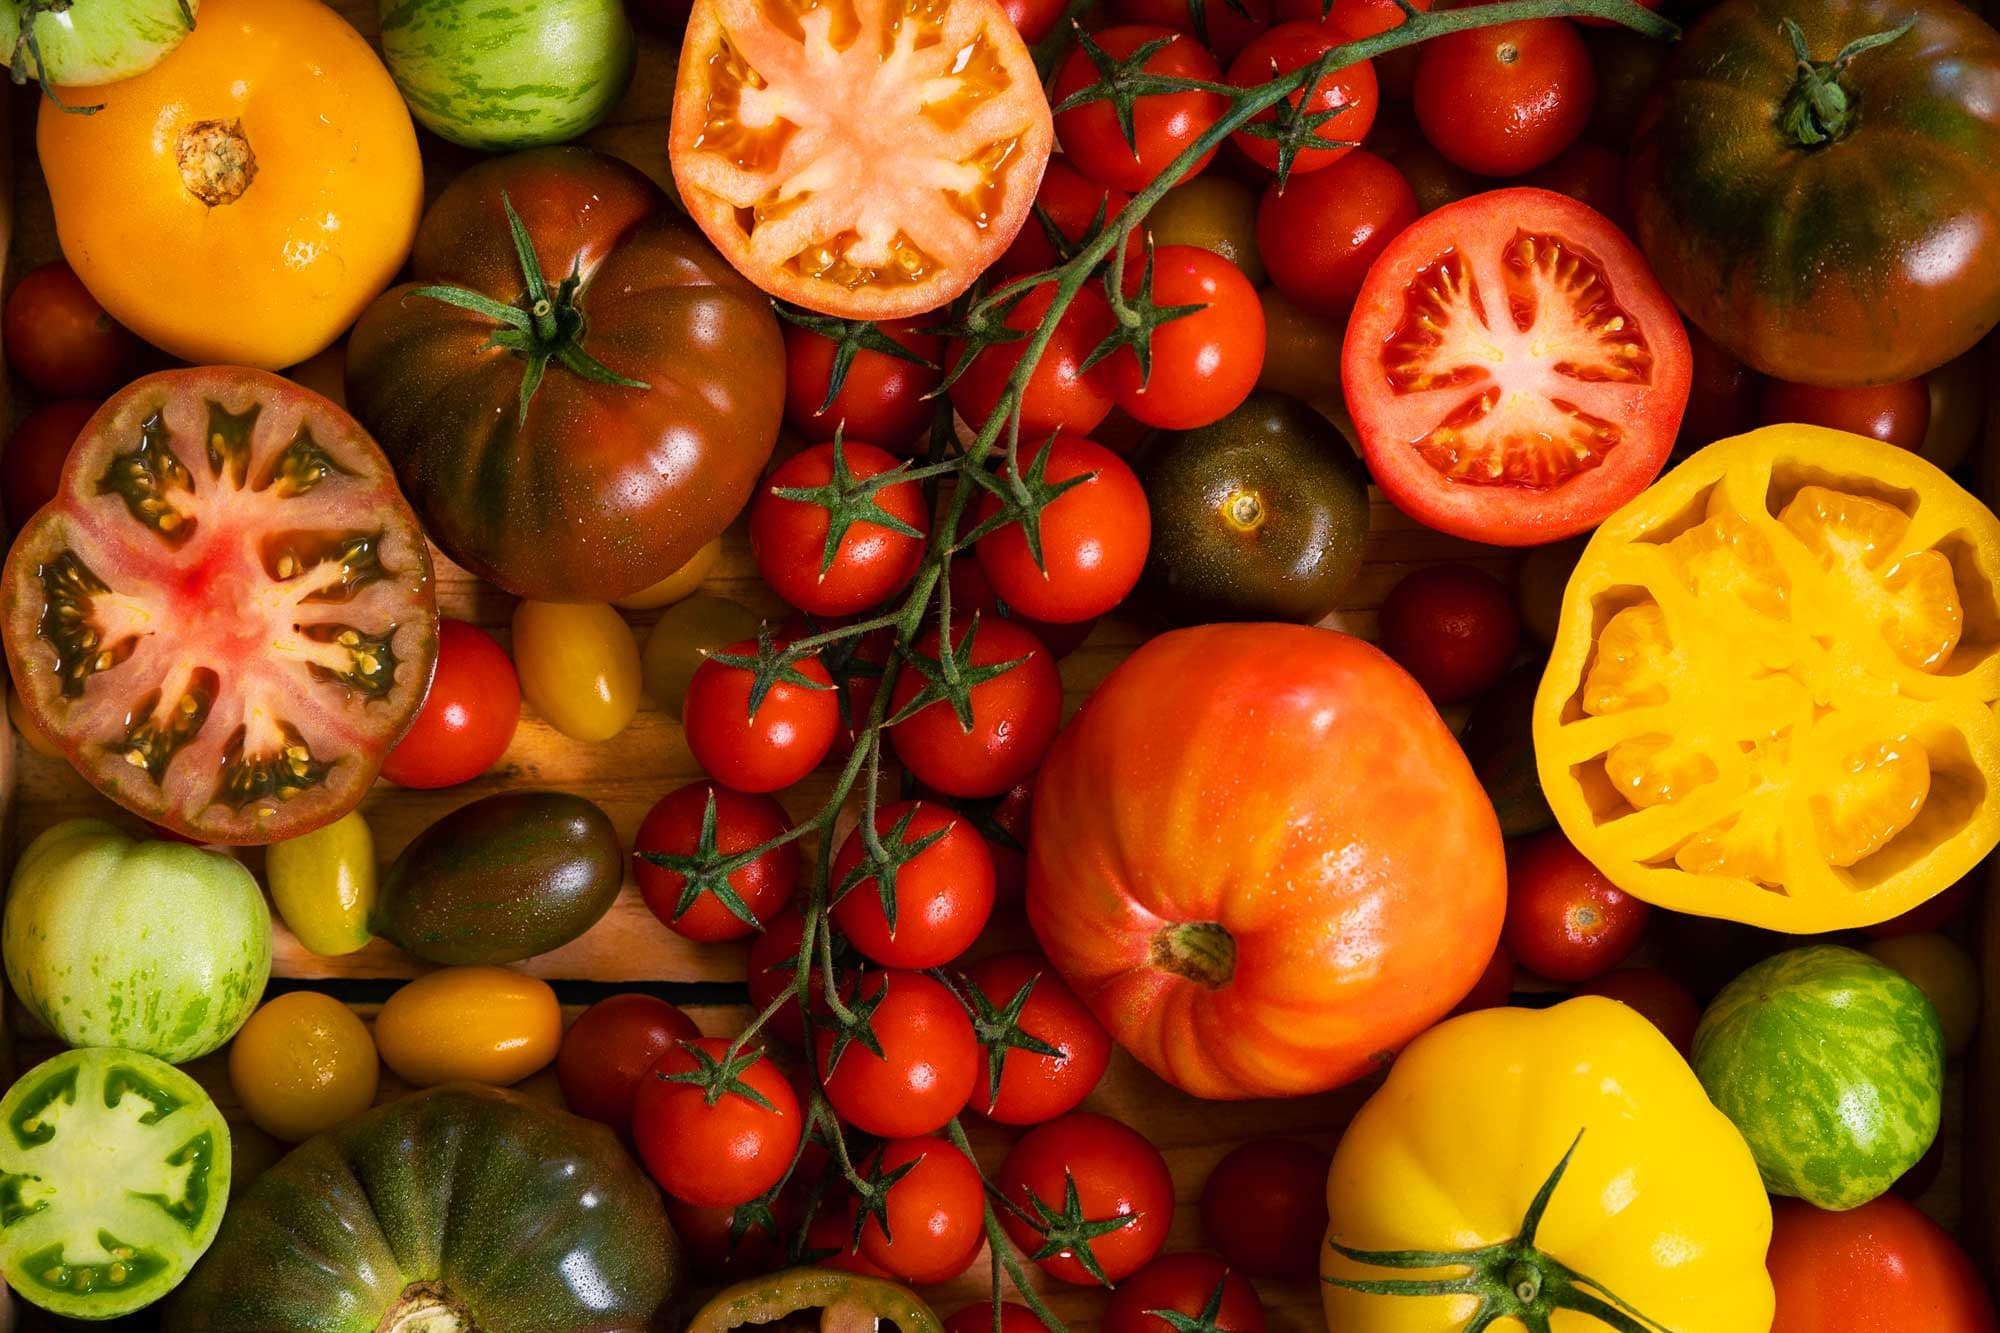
[715, 1153]
[1898, 413]
[1348, 94]
[1113, 1173]
[1495, 987]
[225, 618]
[1496, 430]
[685, 896]
[776, 744]
[1360, 18]
[1071, 203]
[883, 397]
[1320, 234]
[1033, 19]
[1881, 1268]
[972, 591]
[1060, 394]
[936, 1212]
[609, 1048]
[468, 718]
[1505, 99]
[979, 1319]
[1164, 125]
[1453, 627]
[1223, 26]
[877, 550]
[1193, 1284]
[1021, 998]
[1094, 536]
[60, 340]
[927, 1065]
[1660, 1000]
[943, 893]
[31, 468]
[1013, 716]
[1591, 174]
[1264, 1208]
[772, 967]
[1204, 364]
[1565, 920]
[1003, 821]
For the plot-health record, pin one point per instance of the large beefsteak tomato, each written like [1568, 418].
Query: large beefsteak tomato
[1261, 858]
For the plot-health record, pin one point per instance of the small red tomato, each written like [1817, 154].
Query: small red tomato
[1453, 627]
[1503, 100]
[1264, 1208]
[1163, 124]
[1898, 413]
[468, 717]
[1590, 173]
[1927, 917]
[1005, 820]
[936, 1212]
[979, 1319]
[1017, 996]
[1033, 19]
[60, 340]
[722, 1153]
[1660, 1000]
[1565, 920]
[1348, 94]
[1722, 394]
[1013, 715]
[1319, 234]
[830, 1241]
[1205, 363]
[855, 664]
[1114, 1173]
[1072, 203]
[883, 396]
[1061, 394]
[1187, 1284]
[790, 731]
[1881, 1268]
[772, 966]
[972, 591]
[1094, 535]
[1495, 987]
[928, 1061]
[876, 551]
[674, 846]
[943, 893]
[32, 467]
[1223, 26]
[721, 1250]
[609, 1048]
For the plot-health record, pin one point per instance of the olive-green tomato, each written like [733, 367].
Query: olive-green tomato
[683, 637]
[324, 885]
[1214, 213]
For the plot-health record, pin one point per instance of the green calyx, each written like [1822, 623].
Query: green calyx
[1820, 109]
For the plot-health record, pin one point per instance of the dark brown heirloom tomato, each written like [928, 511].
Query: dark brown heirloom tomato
[661, 387]
[1837, 223]
[225, 616]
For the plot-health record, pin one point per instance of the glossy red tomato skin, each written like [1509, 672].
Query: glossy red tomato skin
[1164, 125]
[1014, 1318]
[871, 563]
[944, 894]
[1495, 987]
[609, 1048]
[882, 398]
[1291, 46]
[1117, 1172]
[1320, 234]
[715, 1156]
[1897, 413]
[1033, 19]
[1505, 99]
[1264, 1208]
[1565, 920]
[1881, 1268]
[1362, 18]
[1223, 29]
[1660, 1000]
[1061, 394]
[972, 591]
[1014, 716]
[1453, 627]
[1035, 1087]
[1094, 538]
[936, 1216]
[31, 465]
[60, 340]
[742, 821]
[791, 731]
[468, 718]
[1072, 202]
[1184, 1283]
[926, 1068]
[1205, 363]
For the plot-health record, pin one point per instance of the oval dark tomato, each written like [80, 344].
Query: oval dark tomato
[1532, 410]
[1223, 26]
[883, 395]
[719, 1153]
[933, 1219]
[1011, 717]
[1322, 232]
[928, 1061]
[941, 886]
[1347, 95]
[1197, 1286]
[60, 340]
[1114, 1174]
[1019, 999]
[1453, 627]
[1566, 920]
[468, 716]
[1061, 393]
[1093, 536]
[1204, 363]
[1264, 1208]
[1897, 413]
[31, 467]
[1505, 99]
[609, 1048]
[1070, 208]
[768, 746]
[877, 550]
[1163, 124]
[1881, 1268]
[1218, 213]
[677, 841]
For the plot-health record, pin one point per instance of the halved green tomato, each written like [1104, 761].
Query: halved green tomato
[114, 1171]
[823, 1299]
[225, 617]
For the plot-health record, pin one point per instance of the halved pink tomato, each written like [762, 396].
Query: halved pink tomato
[861, 158]
[225, 617]
[1514, 370]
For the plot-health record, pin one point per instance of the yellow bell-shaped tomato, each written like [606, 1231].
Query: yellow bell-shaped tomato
[1557, 1169]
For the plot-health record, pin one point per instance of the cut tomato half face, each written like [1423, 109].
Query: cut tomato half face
[1513, 369]
[1771, 693]
[861, 158]
[225, 617]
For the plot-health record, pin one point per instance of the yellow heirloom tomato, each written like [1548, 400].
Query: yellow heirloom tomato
[1771, 693]
[1557, 1169]
[303, 1064]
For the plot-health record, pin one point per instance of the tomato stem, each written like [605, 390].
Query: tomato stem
[1819, 110]
[1204, 952]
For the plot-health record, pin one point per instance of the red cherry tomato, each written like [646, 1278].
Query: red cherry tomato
[31, 468]
[1186, 1284]
[1453, 627]
[1223, 26]
[1349, 93]
[1881, 1268]
[773, 963]
[943, 894]
[1505, 99]
[979, 1319]
[882, 398]
[1071, 202]
[1033, 19]
[1094, 536]
[609, 1048]
[1115, 1173]
[1660, 1000]
[1321, 232]
[1204, 363]
[1495, 987]
[1360, 18]
[674, 828]
[1565, 920]
[830, 1241]
[783, 740]
[467, 719]
[1898, 413]
[1061, 394]
[1003, 821]
[60, 340]
[1164, 124]
[1033, 1087]
[927, 1065]
[876, 554]
[716, 1154]
[1264, 1208]
[936, 1213]
[972, 591]
[1014, 715]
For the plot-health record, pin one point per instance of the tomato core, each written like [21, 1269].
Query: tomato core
[1244, 510]
[216, 162]
[425, 1308]
[1202, 951]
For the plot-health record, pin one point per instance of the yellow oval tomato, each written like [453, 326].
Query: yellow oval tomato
[469, 1024]
[324, 884]
[579, 667]
[241, 201]
[683, 638]
[676, 585]
[1944, 972]
[303, 1064]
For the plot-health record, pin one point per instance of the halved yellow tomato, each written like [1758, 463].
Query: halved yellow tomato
[858, 157]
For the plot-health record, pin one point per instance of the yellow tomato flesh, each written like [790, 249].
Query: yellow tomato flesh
[469, 1024]
[303, 1064]
[579, 667]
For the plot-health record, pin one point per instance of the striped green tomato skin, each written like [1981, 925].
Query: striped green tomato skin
[90, 42]
[503, 74]
[1832, 1066]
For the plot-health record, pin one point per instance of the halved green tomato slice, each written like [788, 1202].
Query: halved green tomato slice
[1771, 694]
[114, 1171]
[823, 1300]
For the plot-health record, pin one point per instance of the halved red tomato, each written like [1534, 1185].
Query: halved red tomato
[858, 157]
[225, 617]
[1514, 370]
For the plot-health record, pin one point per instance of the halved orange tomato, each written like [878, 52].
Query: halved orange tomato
[861, 158]
[1514, 370]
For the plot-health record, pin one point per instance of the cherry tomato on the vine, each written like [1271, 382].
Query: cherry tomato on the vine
[1264, 1207]
[1003, 821]
[60, 340]
[609, 1048]
[1505, 99]
[721, 1251]
[972, 591]
[1898, 413]
[1223, 26]
[1032, 1087]
[1060, 394]
[1321, 232]
[1881, 1268]
[1204, 363]
[855, 664]
[928, 1061]
[723, 1153]
[943, 893]
[468, 717]
[1185, 1284]
[31, 467]
[1013, 715]
[1094, 536]
[786, 735]
[830, 1240]
[772, 967]
[882, 398]
[1453, 627]
[675, 827]
[1348, 96]
[1071, 202]
[877, 550]
[1164, 125]
[1565, 920]
[1114, 1172]
[936, 1212]
[1660, 1000]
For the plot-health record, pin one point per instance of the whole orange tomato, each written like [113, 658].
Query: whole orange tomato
[1262, 859]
